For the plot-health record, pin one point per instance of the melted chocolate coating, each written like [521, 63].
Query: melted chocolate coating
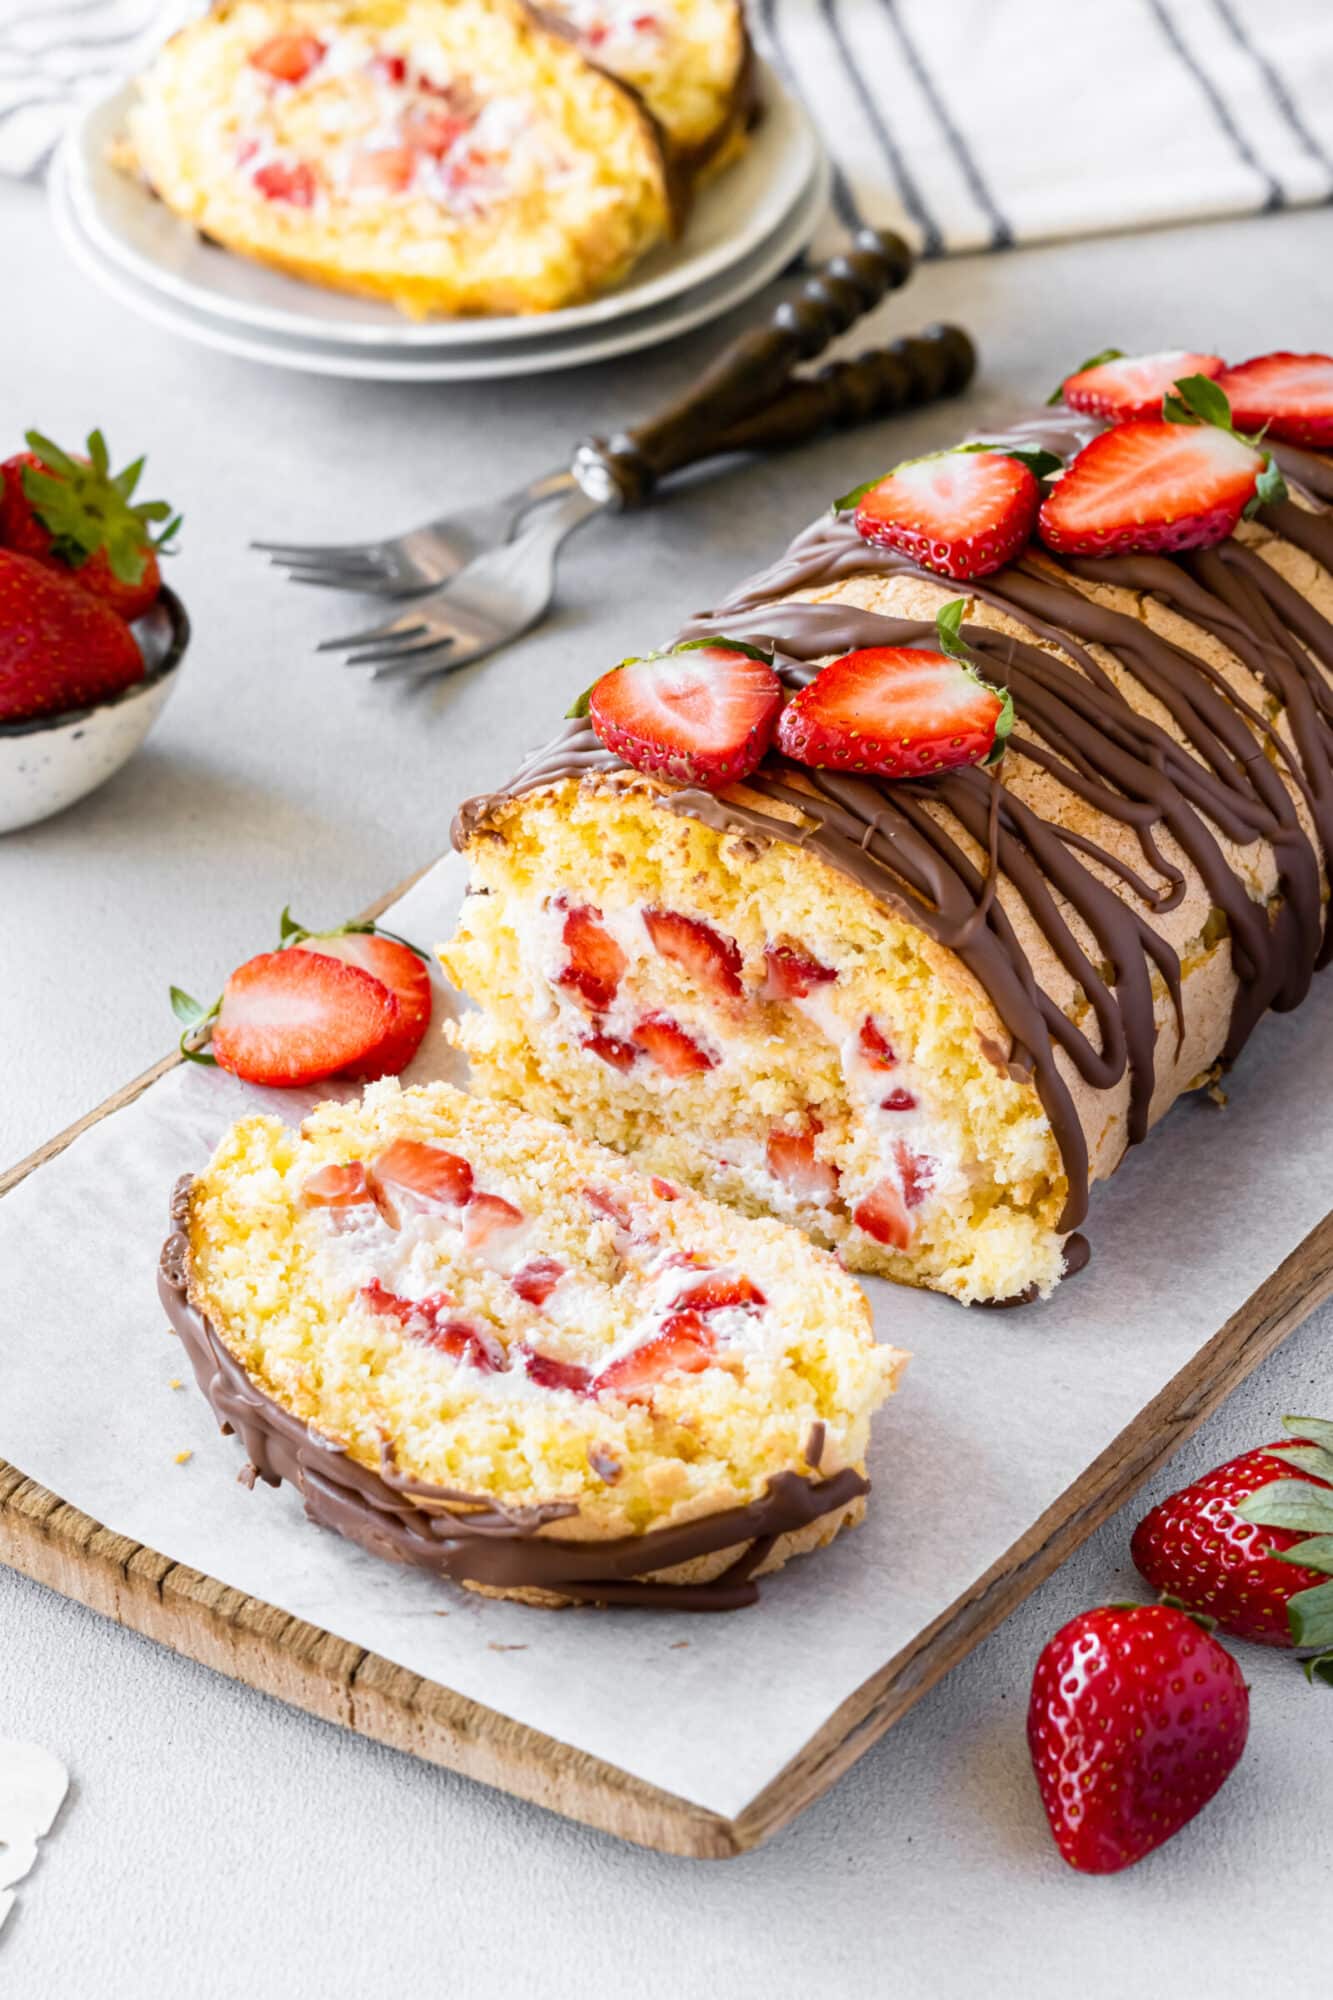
[1075, 724]
[472, 1537]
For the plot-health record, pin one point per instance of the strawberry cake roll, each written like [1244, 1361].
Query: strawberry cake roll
[913, 888]
[451, 156]
[485, 1348]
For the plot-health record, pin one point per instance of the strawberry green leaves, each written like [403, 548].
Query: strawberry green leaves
[1197, 400]
[196, 1020]
[948, 630]
[1304, 1509]
[1057, 394]
[85, 507]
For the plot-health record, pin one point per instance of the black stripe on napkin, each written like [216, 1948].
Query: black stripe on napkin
[1276, 87]
[1240, 144]
[1001, 234]
[932, 236]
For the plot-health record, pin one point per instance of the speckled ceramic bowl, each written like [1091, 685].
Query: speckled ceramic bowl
[49, 762]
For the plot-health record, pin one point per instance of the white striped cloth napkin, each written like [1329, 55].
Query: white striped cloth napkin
[968, 124]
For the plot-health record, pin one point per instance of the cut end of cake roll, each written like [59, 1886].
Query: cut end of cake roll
[741, 1016]
[482, 1346]
[451, 156]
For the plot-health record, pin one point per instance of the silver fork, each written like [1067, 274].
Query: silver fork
[507, 589]
[747, 374]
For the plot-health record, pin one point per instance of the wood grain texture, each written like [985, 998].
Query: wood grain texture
[298, 1663]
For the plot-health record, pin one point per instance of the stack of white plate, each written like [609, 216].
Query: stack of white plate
[745, 228]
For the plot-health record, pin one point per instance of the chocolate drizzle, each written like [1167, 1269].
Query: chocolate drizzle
[1234, 778]
[470, 1537]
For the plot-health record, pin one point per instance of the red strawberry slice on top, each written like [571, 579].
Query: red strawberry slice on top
[900, 711]
[712, 960]
[1127, 387]
[1151, 487]
[1290, 394]
[703, 715]
[291, 1017]
[961, 513]
[396, 966]
[683, 1347]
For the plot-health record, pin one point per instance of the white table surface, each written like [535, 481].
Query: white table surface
[216, 1842]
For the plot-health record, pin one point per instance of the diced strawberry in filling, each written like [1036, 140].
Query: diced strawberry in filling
[883, 1214]
[596, 962]
[288, 58]
[620, 1055]
[683, 1347]
[609, 1205]
[388, 69]
[485, 1215]
[898, 1100]
[548, 1373]
[432, 1320]
[432, 128]
[280, 182]
[536, 1281]
[645, 24]
[791, 1160]
[670, 1047]
[337, 1186]
[918, 1174]
[388, 170]
[712, 960]
[792, 973]
[426, 1175]
[712, 1294]
[875, 1048]
[667, 1190]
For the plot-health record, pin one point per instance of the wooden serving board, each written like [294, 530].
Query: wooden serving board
[299, 1663]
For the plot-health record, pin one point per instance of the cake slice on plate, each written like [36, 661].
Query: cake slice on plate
[483, 1347]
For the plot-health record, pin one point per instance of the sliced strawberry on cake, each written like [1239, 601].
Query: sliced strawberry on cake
[1287, 396]
[901, 711]
[701, 715]
[961, 513]
[1124, 388]
[673, 1380]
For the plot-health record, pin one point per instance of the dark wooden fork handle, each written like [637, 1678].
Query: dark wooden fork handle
[919, 369]
[748, 374]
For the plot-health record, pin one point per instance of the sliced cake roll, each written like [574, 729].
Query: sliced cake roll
[452, 156]
[856, 976]
[481, 1346]
[689, 60]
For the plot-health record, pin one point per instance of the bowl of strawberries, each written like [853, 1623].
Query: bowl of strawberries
[90, 637]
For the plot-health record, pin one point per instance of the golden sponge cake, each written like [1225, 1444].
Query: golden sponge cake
[482, 1346]
[452, 156]
[690, 61]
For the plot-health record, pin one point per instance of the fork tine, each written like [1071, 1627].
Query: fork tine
[320, 552]
[394, 634]
[369, 584]
[385, 657]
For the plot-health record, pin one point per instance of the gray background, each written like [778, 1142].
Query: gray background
[216, 1842]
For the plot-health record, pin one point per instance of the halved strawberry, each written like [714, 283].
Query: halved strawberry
[792, 973]
[398, 967]
[712, 960]
[596, 962]
[337, 1186]
[1149, 487]
[900, 711]
[791, 1160]
[288, 58]
[702, 715]
[538, 1278]
[1126, 387]
[714, 1293]
[292, 182]
[875, 1047]
[487, 1214]
[1289, 395]
[960, 513]
[292, 1017]
[882, 1213]
[409, 1173]
[548, 1373]
[670, 1047]
[683, 1347]
[620, 1055]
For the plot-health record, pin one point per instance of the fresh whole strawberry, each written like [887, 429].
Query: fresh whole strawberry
[397, 965]
[1124, 388]
[701, 715]
[1288, 396]
[899, 711]
[1251, 1543]
[81, 518]
[289, 1017]
[961, 513]
[60, 647]
[1137, 1718]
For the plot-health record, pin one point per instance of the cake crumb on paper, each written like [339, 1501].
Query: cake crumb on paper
[184, 1457]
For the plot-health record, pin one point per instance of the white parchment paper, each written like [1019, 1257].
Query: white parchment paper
[1000, 1412]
